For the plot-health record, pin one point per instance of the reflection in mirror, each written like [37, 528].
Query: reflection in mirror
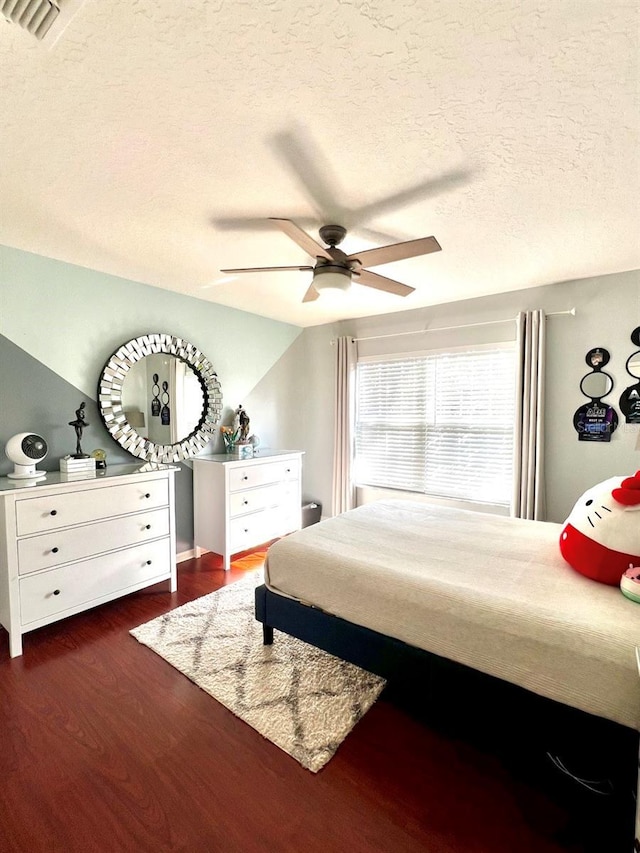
[596, 385]
[191, 398]
[633, 365]
[186, 398]
[597, 358]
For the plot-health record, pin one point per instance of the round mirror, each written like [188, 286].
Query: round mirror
[596, 385]
[160, 398]
[633, 365]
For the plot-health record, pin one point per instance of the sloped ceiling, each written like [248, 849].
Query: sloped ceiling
[152, 139]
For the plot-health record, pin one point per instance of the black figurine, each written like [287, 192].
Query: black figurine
[79, 424]
[243, 423]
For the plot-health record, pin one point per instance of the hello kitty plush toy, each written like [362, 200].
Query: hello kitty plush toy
[630, 583]
[601, 537]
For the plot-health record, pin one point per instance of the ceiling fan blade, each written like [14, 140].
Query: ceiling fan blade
[396, 252]
[301, 238]
[372, 279]
[265, 269]
[315, 174]
[311, 295]
[427, 189]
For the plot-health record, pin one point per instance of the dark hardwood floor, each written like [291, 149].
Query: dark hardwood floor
[105, 747]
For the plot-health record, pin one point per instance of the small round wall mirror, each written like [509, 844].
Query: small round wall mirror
[596, 385]
[160, 398]
[633, 365]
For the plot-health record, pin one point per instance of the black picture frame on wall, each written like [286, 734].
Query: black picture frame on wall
[596, 420]
[630, 398]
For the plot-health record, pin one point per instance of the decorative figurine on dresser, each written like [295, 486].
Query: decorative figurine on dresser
[78, 462]
[243, 423]
[79, 424]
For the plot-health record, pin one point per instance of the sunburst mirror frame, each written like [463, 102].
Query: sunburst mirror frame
[110, 398]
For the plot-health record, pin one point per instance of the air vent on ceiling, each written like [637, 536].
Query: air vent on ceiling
[35, 16]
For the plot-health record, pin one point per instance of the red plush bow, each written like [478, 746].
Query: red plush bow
[628, 492]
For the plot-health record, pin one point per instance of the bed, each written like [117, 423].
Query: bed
[394, 583]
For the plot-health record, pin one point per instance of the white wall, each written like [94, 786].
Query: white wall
[607, 310]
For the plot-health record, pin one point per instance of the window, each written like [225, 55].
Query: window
[440, 423]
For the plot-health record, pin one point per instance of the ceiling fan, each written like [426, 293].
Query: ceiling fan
[336, 270]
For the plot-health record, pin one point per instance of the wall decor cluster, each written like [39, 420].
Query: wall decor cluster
[595, 420]
[630, 397]
[125, 375]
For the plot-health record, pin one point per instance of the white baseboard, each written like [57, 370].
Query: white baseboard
[190, 554]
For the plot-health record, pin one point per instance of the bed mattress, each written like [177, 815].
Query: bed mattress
[490, 592]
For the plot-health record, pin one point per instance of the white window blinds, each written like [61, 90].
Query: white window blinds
[440, 423]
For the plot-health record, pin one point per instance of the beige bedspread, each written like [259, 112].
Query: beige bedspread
[490, 592]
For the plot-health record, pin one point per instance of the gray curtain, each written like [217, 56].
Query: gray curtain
[344, 492]
[528, 484]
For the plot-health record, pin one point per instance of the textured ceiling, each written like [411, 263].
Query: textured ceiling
[153, 139]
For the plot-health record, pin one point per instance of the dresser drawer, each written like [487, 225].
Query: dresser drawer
[249, 530]
[80, 584]
[289, 518]
[75, 543]
[253, 500]
[35, 515]
[258, 475]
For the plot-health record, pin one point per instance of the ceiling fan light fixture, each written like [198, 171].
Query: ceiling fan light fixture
[330, 277]
[334, 270]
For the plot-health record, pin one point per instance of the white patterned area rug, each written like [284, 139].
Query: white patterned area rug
[301, 698]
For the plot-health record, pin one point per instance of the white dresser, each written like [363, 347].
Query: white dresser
[241, 503]
[69, 542]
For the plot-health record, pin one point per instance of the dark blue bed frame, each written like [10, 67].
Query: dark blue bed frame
[503, 716]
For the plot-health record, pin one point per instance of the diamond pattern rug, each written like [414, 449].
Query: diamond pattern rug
[302, 699]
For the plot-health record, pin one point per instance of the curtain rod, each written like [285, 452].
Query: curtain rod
[571, 311]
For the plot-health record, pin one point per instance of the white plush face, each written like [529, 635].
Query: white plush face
[600, 517]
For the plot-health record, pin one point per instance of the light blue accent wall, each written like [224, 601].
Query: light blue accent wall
[71, 319]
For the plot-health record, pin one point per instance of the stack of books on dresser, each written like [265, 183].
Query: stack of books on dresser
[80, 467]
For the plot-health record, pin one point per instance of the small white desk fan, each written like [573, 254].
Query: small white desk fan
[24, 450]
